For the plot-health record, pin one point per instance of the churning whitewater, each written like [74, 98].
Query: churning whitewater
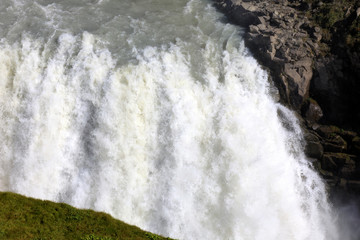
[154, 112]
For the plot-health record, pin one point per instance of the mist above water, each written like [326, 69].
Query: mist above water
[154, 112]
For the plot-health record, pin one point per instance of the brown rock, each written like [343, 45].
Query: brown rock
[254, 29]
[347, 135]
[328, 163]
[335, 143]
[317, 36]
[262, 27]
[312, 136]
[299, 76]
[340, 159]
[327, 130]
[312, 111]
[313, 147]
[291, 72]
[314, 150]
[326, 174]
[341, 164]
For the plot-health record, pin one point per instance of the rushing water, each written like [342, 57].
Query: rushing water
[152, 111]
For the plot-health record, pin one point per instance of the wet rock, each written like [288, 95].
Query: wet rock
[347, 135]
[327, 130]
[313, 147]
[278, 40]
[298, 76]
[339, 159]
[334, 138]
[312, 111]
[328, 163]
[341, 164]
[335, 143]
[326, 174]
[356, 144]
[299, 59]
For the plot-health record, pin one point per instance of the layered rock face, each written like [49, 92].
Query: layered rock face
[282, 40]
[317, 77]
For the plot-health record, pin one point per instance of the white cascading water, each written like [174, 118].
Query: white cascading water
[154, 112]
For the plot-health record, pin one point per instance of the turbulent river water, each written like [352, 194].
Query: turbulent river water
[155, 112]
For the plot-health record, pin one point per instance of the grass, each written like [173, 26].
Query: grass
[27, 218]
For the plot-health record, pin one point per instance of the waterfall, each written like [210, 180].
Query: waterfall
[154, 112]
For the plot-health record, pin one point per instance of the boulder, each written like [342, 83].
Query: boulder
[326, 175]
[328, 163]
[312, 111]
[340, 159]
[335, 143]
[327, 130]
[347, 135]
[314, 150]
[341, 164]
[313, 147]
[299, 75]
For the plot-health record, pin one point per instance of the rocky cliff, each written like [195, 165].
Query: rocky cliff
[312, 51]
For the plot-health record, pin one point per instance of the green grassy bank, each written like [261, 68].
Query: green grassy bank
[27, 218]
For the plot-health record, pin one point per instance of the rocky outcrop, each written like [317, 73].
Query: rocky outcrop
[336, 154]
[281, 39]
[312, 112]
[304, 66]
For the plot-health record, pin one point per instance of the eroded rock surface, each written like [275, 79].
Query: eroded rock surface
[305, 65]
[282, 39]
